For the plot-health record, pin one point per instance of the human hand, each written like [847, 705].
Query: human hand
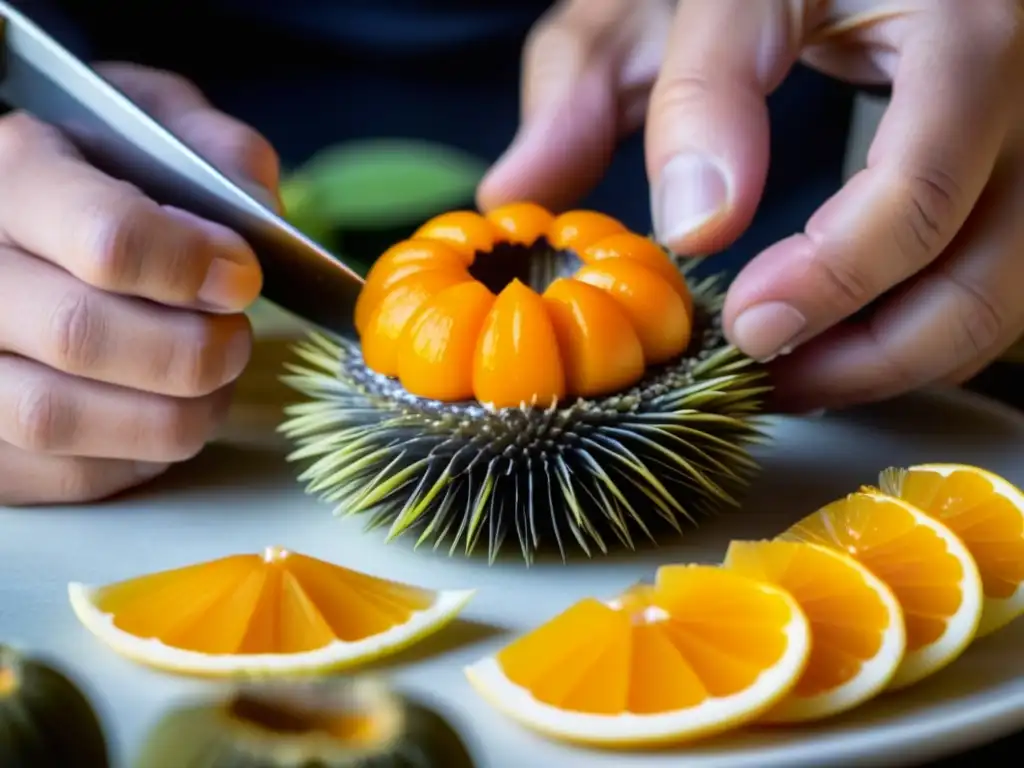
[120, 320]
[930, 234]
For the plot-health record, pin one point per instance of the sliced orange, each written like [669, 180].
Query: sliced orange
[700, 651]
[275, 613]
[922, 561]
[857, 633]
[987, 513]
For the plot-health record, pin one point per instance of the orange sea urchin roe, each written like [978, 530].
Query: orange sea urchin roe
[521, 223]
[518, 352]
[436, 349]
[466, 231]
[600, 349]
[399, 262]
[629, 245]
[576, 230]
[388, 320]
[657, 312]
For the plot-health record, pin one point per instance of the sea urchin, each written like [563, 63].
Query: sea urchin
[559, 377]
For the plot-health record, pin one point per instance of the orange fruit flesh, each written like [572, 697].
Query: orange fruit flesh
[466, 231]
[691, 637]
[517, 356]
[396, 309]
[259, 604]
[572, 342]
[399, 262]
[436, 349]
[987, 522]
[521, 223]
[576, 230]
[847, 617]
[600, 349]
[657, 312]
[911, 559]
[643, 250]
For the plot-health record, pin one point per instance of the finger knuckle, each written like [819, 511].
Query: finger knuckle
[114, 247]
[195, 358]
[845, 284]
[19, 133]
[43, 419]
[894, 374]
[928, 206]
[79, 332]
[249, 150]
[979, 321]
[999, 25]
[77, 482]
[181, 427]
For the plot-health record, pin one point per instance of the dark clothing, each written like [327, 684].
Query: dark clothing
[310, 73]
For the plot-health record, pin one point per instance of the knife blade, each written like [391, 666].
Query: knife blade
[41, 77]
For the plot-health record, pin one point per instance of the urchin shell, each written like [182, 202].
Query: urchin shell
[670, 449]
[301, 725]
[46, 721]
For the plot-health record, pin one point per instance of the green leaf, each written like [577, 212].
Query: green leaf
[379, 183]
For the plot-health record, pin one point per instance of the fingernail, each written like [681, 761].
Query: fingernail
[234, 279]
[692, 190]
[767, 330]
[147, 470]
[230, 286]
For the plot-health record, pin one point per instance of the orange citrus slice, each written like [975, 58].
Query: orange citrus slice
[276, 613]
[987, 513]
[924, 563]
[700, 651]
[857, 633]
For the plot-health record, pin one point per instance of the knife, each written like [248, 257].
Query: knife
[41, 77]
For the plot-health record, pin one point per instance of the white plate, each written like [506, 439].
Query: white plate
[237, 499]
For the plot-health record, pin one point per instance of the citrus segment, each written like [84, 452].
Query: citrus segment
[397, 263]
[279, 612]
[517, 358]
[630, 245]
[656, 311]
[987, 513]
[857, 633]
[575, 230]
[600, 349]
[699, 651]
[926, 566]
[466, 231]
[395, 310]
[435, 351]
[521, 223]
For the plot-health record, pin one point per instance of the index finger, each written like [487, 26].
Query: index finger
[108, 234]
[928, 164]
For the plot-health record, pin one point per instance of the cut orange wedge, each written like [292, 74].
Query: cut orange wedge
[275, 613]
[922, 561]
[700, 651]
[987, 513]
[857, 634]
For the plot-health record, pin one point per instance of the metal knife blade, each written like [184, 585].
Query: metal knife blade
[40, 76]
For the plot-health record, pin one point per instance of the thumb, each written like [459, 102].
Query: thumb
[570, 120]
[707, 127]
[234, 148]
